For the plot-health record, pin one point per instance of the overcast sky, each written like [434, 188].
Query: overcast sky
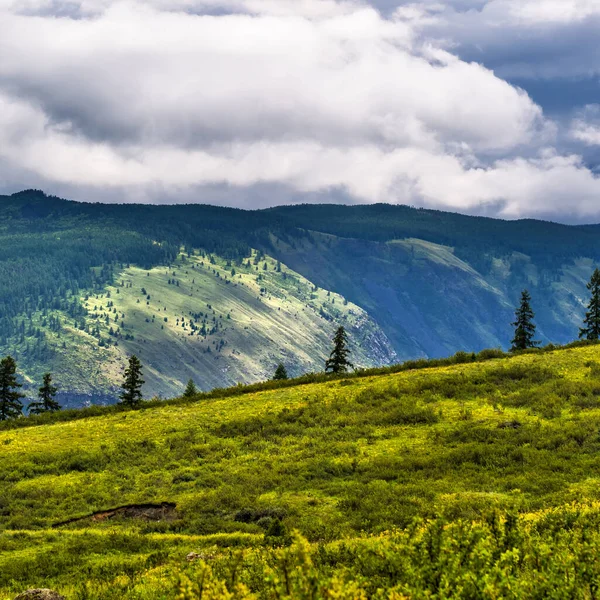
[479, 106]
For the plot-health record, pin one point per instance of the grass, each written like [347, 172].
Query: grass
[349, 463]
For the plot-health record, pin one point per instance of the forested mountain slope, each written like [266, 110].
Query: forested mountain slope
[430, 283]
[203, 319]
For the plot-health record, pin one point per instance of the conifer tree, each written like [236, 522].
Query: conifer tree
[280, 373]
[46, 398]
[132, 385]
[524, 325]
[10, 397]
[591, 329]
[338, 359]
[191, 390]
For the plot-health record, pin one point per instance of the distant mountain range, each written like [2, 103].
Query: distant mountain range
[222, 295]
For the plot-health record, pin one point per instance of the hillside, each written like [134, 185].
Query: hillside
[341, 460]
[410, 283]
[199, 318]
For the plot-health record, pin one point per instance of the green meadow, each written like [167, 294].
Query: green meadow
[471, 480]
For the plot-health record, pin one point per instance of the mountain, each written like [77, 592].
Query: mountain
[497, 459]
[406, 282]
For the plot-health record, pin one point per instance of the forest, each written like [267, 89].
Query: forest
[55, 253]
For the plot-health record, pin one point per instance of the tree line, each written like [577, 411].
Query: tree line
[524, 337]
[11, 405]
[11, 397]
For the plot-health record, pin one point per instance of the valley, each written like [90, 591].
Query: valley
[408, 283]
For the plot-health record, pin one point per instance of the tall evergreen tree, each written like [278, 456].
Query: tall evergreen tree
[191, 390]
[591, 328]
[132, 384]
[10, 397]
[524, 325]
[338, 359]
[280, 373]
[46, 398]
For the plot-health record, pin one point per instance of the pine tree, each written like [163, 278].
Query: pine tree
[191, 390]
[10, 397]
[591, 329]
[132, 384]
[338, 359]
[46, 395]
[280, 373]
[524, 326]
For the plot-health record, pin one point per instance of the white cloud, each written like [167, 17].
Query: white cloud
[313, 95]
[586, 126]
[550, 11]
[349, 78]
[519, 38]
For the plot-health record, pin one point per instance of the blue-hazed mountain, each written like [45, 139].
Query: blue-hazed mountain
[222, 295]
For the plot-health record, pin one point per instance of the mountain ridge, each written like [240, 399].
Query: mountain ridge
[432, 282]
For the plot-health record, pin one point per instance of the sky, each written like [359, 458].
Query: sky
[488, 107]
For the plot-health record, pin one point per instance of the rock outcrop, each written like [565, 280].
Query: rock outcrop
[40, 594]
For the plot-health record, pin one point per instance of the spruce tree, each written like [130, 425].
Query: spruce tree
[191, 390]
[338, 359]
[280, 373]
[10, 397]
[524, 325]
[132, 385]
[591, 329]
[46, 398]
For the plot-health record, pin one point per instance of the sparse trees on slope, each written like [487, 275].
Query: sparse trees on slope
[338, 359]
[280, 373]
[132, 384]
[46, 398]
[10, 397]
[524, 325]
[191, 390]
[591, 329]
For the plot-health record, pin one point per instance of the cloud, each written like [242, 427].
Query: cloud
[586, 126]
[518, 38]
[550, 11]
[284, 99]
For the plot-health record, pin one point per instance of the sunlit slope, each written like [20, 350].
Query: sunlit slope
[334, 458]
[210, 320]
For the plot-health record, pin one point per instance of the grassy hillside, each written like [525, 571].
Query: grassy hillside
[499, 457]
[202, 317]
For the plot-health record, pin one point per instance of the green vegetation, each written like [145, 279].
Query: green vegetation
[190, 390]
[46, 398]
[338, 361]
[266, 275]
[524, 325]
[10, 397]
[280, 373]
[131, 396]
[469, 477]
[472, 478]
[591, 329]
[193, 320]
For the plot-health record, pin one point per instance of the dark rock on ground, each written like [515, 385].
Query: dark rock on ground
[40, 594]
[510, 425]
